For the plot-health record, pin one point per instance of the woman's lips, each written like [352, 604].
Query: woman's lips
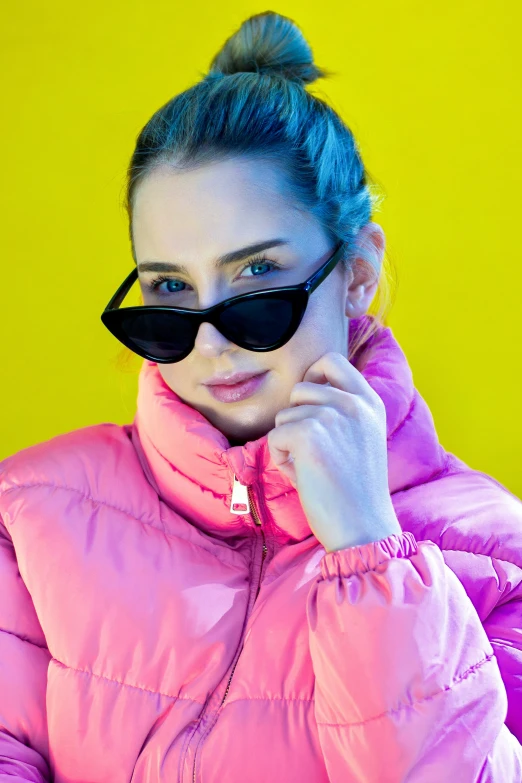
[237, 391]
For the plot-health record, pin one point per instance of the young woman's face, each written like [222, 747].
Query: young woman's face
[192, 218]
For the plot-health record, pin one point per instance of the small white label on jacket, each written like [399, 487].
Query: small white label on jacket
[240, 503]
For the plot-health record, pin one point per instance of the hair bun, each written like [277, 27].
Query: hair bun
[268, 43]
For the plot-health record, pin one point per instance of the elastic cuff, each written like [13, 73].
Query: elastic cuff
[359, 559]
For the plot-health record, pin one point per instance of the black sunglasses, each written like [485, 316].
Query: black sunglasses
[258, 321]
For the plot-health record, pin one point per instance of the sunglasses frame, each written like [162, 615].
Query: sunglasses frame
[113, 314]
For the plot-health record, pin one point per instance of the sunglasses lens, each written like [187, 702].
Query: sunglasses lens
[165, 336]
[258, 322]
[261, 322]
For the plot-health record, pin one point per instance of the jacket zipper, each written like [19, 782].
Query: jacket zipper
[250, 504]
[242, 503]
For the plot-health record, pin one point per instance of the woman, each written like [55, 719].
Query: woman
[284, 577]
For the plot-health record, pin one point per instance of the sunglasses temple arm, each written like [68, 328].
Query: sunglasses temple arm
[123, 290]
[322, 273]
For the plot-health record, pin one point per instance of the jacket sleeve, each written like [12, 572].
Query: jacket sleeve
[408, 687]
[24, 659]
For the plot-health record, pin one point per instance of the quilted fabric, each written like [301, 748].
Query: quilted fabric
[148, 634]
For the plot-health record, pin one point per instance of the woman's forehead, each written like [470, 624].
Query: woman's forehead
[184, 218]
[235, 180]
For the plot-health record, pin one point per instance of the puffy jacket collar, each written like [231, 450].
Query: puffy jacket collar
[191, 463]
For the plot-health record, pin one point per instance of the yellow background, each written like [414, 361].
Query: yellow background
[430, 90]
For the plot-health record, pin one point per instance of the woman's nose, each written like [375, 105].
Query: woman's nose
[210, 342]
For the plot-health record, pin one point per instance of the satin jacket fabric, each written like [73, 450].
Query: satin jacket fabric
[148, 634]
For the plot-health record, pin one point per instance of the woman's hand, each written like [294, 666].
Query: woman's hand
[331, 443]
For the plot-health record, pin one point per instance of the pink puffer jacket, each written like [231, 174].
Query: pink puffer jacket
[149, 634]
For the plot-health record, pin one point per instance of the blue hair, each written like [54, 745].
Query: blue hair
[253, 103]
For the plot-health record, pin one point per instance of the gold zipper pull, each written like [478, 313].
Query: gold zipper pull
[240, 503]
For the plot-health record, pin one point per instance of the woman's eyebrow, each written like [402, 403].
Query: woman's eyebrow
[227, 258]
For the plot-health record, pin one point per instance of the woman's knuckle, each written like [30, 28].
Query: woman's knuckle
[326, 415]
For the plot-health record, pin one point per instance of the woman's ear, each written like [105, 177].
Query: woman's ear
[366, 269]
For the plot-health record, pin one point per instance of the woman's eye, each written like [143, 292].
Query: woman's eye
[174, 286]
[254, 264]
